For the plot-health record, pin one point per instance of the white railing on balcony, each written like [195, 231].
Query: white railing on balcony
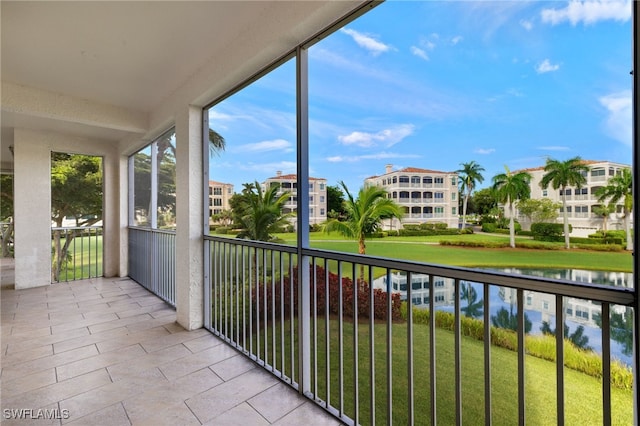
[152, 254]
[343, 343]
[80, 253]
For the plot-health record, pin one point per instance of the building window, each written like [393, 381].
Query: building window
[439, 195]
[404, 179]
[454, 181]
[597, 172]
[217, 191]
[453, 211]
[439, 180]
[322, 198]
[453, 196]
[439, 210]
[217, 202]
[321, 212]
[311, 199]
[310, 187]
[544, 193]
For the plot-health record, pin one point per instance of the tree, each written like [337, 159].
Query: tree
[6, 212]
[621, 325]
[76, 191]
[225, 217]
[509, 188]
[364, 214]
[620, 188]
[485, 201]
[335, 202]
[603, 211]
[469, 175]
[561, 174]
[258, 212]
[539, 210]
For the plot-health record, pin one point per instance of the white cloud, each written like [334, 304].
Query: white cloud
[484, 151]
[554, 148]
[526, 24]
[546, 66]
[270, 169]
[419, 53]
[386, 137]
[367, 42]
[457, 39]
[618, 121]
[264, 146]
[379, 156]
[588, 12]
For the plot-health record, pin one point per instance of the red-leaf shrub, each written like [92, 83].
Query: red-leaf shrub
[281, 296]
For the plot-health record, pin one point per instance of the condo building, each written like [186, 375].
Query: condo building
[219, 196]
[317, 195]
[426, 195]
[581, 202]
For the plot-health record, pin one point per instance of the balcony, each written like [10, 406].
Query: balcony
[106, 351]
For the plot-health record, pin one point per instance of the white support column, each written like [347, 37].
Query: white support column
[189, 224]
[32, 210]
[111, 215]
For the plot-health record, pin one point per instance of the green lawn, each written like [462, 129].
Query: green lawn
[426, 249]
[86, 260]
[583, 393]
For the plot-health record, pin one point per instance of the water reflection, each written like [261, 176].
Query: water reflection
[582, 317]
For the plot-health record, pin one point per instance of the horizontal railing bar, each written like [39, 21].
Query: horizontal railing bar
[153, 230]
[617, 295]
[74, 228]
[250, 243]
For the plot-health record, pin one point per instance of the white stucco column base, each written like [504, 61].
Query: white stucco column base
[189, 222]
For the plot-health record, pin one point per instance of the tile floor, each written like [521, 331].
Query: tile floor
[107, 352]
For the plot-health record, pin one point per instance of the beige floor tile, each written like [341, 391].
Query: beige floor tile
[205, 342]
[195, 362]
[127, 338]
[177, 415]
[240, 415]
[214, 402]
[118, 323]
[55, 392]
[89, 339]
[114, 415]
[139, 366]
[276, 402]
[28, 382]
[107, 395]
[69, 325]
[28, 355]
[233, 367]
[308, 414]
[172, 339]
[48, 340]
[100, 360]
[52, 361]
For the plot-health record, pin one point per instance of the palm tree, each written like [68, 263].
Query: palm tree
[475, 307]
[364, 214]
[260, 212]
[561, 174]
[469, 176]
[604, 210]
[510, 187]
[620, 188]
[216, 142]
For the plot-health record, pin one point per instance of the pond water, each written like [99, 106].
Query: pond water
[582, 316]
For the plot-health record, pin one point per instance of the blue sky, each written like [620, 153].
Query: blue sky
[434, 84]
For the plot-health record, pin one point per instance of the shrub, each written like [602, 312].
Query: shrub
[489, 227]
[538, 245]
[525, 233]
[393, 233]
[600, 247]
[222, 230]
[544, 231]
[484, 244]
[466, 231]
[282, 297]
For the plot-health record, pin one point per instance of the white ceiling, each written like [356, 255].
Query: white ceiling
[136, 55]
